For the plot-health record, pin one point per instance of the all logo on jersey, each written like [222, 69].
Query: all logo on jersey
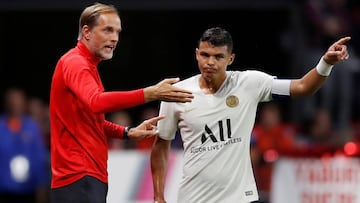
[217, 142]
[232, 101]
[209, 134]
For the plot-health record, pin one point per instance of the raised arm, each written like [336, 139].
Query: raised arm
[159, 163]
[315, 78]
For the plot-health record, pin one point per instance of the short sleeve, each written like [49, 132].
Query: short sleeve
[167, 127]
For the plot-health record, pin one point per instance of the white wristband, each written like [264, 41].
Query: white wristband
[324, 68]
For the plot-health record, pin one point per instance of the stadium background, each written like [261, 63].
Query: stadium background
[158, 40]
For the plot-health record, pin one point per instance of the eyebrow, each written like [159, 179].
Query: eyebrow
[216, 55]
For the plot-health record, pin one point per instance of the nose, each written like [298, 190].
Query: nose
[211, 60]
[115, 39]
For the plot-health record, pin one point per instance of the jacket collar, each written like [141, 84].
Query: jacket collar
[84, 50]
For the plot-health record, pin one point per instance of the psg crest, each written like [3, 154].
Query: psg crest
[232, 101]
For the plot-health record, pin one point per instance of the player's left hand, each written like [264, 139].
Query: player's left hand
[146, 129]
[337, 52]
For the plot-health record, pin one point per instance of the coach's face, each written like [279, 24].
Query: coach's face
[103, 37]
[213, 61]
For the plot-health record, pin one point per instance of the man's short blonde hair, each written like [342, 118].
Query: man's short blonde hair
[90, 15]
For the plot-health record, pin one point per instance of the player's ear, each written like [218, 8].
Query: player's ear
[86, 31]
[197, 53]
[231, 59]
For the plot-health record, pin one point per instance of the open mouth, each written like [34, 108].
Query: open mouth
[109, 48]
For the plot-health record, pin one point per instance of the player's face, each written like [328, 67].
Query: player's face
[213, 61]
[103, 37]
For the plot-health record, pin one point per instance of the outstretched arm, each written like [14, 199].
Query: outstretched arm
[83, 84]
[159, 162]
[315, 78]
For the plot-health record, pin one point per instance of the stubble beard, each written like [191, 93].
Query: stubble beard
[104, 56]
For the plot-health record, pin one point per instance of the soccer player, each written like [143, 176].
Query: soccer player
[79, 132]
[216, 126]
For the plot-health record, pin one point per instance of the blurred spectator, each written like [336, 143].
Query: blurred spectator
[271, 137]
[318, 136]
[24, 170]
[326, 21]
[120, 118]
[270, 131]
[39, 111]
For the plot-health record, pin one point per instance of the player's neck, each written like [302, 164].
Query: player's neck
[210, 86]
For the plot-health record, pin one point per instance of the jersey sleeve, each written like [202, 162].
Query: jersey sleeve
[261, 85]
[113, 130]
[270, 87]
[167, 127]
[80, 79]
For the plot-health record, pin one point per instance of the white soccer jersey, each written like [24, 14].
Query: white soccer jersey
[216, 130]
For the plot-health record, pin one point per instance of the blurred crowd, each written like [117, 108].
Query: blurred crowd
[314, 137]
[329, 123]
[324, 21]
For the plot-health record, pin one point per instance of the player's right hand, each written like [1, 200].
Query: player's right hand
[337, 52]
[166, 91]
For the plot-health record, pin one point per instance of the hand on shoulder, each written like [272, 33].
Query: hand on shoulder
[166, 91]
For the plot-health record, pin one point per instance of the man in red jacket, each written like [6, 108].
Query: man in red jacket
[79, 131]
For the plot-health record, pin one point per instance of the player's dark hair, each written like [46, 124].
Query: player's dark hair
[218, 36]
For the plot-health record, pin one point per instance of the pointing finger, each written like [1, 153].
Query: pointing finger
[343, 40]
[155, 119]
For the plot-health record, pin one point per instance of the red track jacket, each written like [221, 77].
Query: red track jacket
[78, 128]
